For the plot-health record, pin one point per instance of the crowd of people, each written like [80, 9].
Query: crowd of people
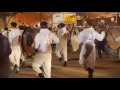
[90, 38]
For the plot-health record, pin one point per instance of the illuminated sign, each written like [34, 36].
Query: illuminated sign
[58, 18]
[69, 19]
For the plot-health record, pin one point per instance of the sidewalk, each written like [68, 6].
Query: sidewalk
[105, 68]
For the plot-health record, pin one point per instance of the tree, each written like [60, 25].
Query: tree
[4, 16]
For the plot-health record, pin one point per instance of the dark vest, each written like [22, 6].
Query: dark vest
[5, 51]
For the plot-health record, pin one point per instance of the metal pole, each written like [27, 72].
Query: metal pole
[117, 17]
[40, 16]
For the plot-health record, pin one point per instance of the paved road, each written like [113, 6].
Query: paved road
[105, 68]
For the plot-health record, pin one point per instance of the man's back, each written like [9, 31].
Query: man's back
[14, 37]
[45, 37]
[83, 36]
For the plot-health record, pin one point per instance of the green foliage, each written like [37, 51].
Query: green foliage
[4, 16]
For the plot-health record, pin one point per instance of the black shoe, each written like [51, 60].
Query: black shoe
[41, 75]
[90, 75]
[65, 64]
[90, 72]
[100, 56]
[15, 69]
[22, 64]
[20, 60]
[60, 59]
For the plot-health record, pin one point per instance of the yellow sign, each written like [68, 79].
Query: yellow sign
[69, 19]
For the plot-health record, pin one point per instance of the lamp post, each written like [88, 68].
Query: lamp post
[40, 16]
[118, 19]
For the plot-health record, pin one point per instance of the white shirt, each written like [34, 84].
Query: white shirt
[5, 33]
[21, 31]
[40, 38]
[60, 34]
[13, 33]
[83, 36]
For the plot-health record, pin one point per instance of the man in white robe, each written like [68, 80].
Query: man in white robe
[14, 39]
[43, 57]
[61, 48]
[88, 53]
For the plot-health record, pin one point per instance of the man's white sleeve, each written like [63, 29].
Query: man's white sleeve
[55, 38]
[37, 42]
[79, 39]
[10, 38]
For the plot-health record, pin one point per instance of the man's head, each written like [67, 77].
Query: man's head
[112, 19]
[21, 27]
[62, 25]
[58, 26]
[36, 25]
[87, 23]
[6, 28]
[102, 22]
[43, 25]
[13, 24]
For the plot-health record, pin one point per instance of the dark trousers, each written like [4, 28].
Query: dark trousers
[100, 49]
[90, 72]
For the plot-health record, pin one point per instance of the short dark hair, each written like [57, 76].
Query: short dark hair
[14, 24]
[21, 27]
[89, 22]
[62, 25]
[6, 28]
[43, 25]
[58, 26]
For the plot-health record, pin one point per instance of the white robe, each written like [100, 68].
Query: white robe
[22, 55]
[61, 48]
[83, 38]
[43, 59]
[16, 51]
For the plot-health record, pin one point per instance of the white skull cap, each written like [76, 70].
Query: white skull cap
[112, 19]
[102, 21]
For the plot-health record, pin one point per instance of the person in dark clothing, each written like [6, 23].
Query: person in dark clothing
[101, 45]
[5, 51]
[5, 32]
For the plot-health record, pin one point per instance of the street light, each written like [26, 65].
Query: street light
[40, 16]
